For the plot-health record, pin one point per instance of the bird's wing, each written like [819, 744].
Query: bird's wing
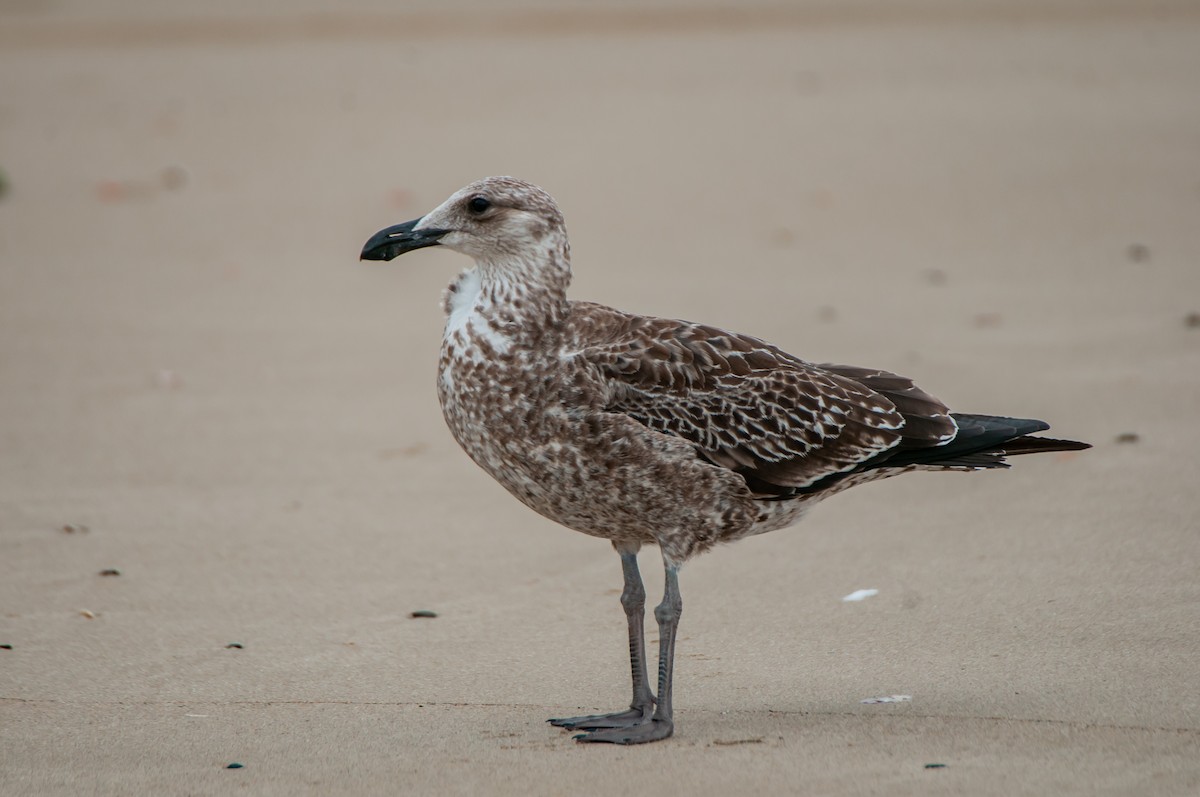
[749, 406]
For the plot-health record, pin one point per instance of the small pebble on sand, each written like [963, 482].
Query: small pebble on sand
[1138, 253]
[173, 178]
[988, 320]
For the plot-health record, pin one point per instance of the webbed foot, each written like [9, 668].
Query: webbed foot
[652, 730]
[594, 722]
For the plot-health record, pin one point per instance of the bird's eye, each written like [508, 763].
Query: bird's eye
[478, 204]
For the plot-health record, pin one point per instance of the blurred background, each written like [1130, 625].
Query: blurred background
[1000, 199]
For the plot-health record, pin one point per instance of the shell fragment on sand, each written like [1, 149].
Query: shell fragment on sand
[887, 699]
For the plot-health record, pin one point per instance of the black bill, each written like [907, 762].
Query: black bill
[395, 241]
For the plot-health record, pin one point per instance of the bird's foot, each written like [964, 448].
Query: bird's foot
[595, 722]
[651, 730]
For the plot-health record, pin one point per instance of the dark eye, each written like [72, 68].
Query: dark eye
[478, 204]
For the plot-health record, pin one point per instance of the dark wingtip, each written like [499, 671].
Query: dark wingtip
[1039, 445]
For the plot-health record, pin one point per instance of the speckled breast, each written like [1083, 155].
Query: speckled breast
[595, 472]
[508, 416]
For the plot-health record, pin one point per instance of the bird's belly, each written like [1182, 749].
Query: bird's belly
[594, 472]
[519, 444]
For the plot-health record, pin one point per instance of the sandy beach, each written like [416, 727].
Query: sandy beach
[203, 391]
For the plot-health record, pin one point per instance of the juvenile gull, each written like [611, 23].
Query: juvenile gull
[644, 430]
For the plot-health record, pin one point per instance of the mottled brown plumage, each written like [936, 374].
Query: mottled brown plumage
[649, 430]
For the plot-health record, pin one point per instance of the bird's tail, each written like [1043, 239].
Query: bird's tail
[983, 441]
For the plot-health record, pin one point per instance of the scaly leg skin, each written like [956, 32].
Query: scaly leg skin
[660, 725]
[633, 599]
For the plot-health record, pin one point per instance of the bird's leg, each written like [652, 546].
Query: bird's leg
[660, 725]
[633, 599]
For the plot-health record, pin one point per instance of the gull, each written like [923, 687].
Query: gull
[643, 430]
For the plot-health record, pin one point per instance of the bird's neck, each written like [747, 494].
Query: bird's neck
[519, 299]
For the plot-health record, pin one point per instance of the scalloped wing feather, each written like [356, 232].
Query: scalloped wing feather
[749, 406]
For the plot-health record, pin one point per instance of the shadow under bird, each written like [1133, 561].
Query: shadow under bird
[643, 430]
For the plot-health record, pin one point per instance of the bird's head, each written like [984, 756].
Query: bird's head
[492, 219]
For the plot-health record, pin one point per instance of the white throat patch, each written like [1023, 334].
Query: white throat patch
[467, 322]
[462, 302]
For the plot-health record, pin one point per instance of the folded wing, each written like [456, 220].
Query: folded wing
[782, 423]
